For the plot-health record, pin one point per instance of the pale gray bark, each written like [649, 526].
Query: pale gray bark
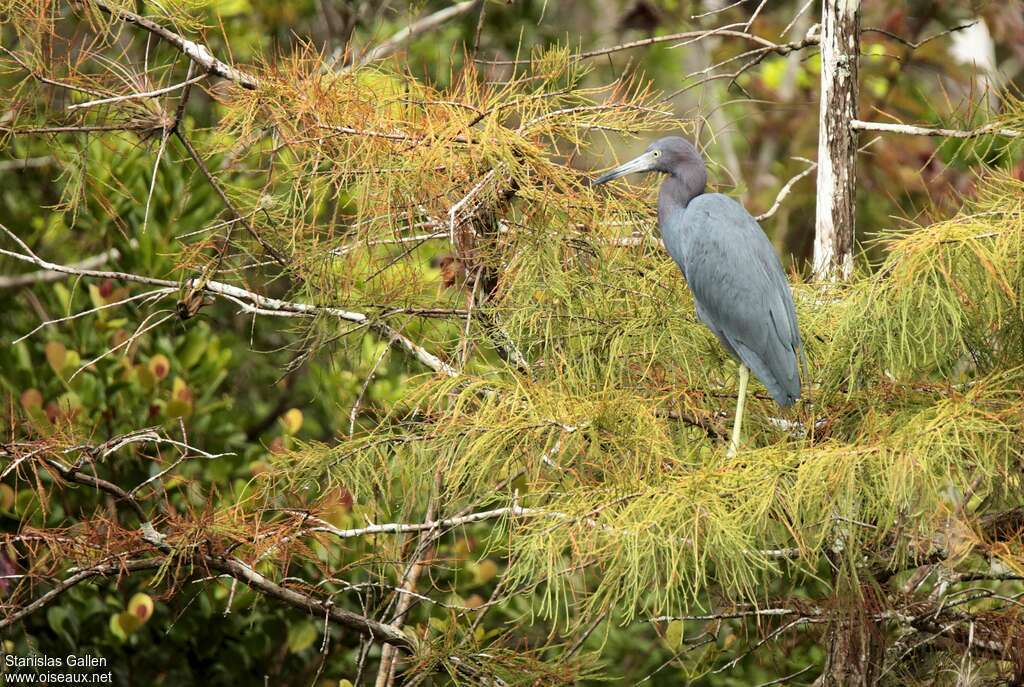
[837, 140]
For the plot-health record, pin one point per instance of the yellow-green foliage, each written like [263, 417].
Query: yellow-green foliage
[367, 159]
[914, 390]
[945, 305]
[611, 435]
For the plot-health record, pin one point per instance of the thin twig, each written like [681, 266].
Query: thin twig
[785, 190]
[362, 391]
[786, 678]
[194, 154]
[753, 17]
[142, 329]
[915, 45]
[135, 96]
[388, 662]
[717, 10]
[73, 474]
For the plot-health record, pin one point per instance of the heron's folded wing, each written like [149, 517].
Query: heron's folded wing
[743, 294]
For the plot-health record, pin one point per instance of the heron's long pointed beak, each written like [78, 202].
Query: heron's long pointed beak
[643, 163]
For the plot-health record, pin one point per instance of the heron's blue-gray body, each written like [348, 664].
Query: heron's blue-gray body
[738, 285]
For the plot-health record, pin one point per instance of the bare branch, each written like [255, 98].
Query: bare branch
[142, 329]
[48, 276]
[785, 190]
[796, 16]
[753, 17]
[514, 511]
[113, 569]
[373, 629]
[76, 129]
[196, 52]
[26, 163]
[786, 678]
[75, 475]
[428, 23]
[362, 391]
[914, 45]
[45, 79]
[688, 37]
[912, 130]
[429, 525]
[388, 662]
[237, 569]
[729, 30]
[251, 302]
[729, 615]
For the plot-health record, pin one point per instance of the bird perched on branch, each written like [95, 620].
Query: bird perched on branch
[738, 285]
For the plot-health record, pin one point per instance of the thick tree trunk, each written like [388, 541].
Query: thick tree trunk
[837, 141]
[856, 651]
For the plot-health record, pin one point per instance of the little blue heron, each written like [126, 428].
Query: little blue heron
[738, 285]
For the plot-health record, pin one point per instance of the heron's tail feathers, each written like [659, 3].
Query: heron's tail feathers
[781, 378]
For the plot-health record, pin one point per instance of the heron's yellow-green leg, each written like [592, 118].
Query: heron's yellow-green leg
[734, 443]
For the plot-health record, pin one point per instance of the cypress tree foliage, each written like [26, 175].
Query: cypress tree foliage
[565, 413]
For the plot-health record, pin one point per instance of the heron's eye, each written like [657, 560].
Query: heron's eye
[657, 153]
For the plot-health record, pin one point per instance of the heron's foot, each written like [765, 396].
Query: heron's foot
[733, 448]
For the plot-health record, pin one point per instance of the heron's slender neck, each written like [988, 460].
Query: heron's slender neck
[683, 184]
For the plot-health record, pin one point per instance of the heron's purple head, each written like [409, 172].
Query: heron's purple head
[672, 155]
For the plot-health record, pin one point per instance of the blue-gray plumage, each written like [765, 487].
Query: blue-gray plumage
[738, 285]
